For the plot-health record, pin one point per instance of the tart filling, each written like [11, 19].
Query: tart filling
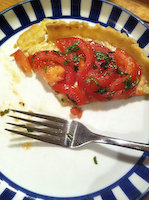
[84, 63]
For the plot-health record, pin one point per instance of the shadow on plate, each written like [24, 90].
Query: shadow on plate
[99, 149]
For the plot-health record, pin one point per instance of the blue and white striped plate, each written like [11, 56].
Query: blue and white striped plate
[49, 172]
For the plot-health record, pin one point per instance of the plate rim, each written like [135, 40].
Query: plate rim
[107, 2]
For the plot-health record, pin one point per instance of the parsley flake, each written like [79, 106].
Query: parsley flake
[101, 90]
[95, 160]
[91, 79]
[59, 52]
[45, 68]
[103, 56]
[66, 62]
[129, 84]
[72, 48]
[100, 55]
[73, 101]
[29, 130]
[69, 136]
[32, 58]
[76, 58]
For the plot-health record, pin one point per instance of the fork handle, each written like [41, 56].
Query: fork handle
[119, 142]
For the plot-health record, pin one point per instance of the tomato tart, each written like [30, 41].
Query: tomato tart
[84, 63]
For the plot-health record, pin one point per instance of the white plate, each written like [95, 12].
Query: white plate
[44, 171]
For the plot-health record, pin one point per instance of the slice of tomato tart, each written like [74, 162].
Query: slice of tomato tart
[84, 63]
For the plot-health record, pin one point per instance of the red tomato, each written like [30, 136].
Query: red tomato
[71, 76]
[74, 94]
[96, 79]
[103, 76]
[117, 84]
[126, 63]
[83, 48]
[98, 47]
[42, 58]
[76, 112]
[22, 60]
[99, 97]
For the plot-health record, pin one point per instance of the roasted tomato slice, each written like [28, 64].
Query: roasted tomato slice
[85, 71]
[22, 60]
[47, 58]
[98, 47]
[127, 64]
[75, 95]
[71, 76]
[72, 46]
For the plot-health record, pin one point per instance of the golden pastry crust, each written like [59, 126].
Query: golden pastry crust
[31, 37]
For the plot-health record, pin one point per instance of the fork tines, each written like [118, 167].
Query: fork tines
[49, 125]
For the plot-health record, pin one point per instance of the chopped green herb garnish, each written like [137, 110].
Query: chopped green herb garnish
[73, 101]
[45, 68]
[118, 71]
[104, 65]
[21, 103]
[66, 62]
[135, 83]
[2, 113]
[69, 136]
[107, 72]
[76, 67]
[62, 100]
[103, 56]
[111, 93]
[76, 58]
[59, 52]
[129, 84]
[29, 130]
[100, 55]
[111, 52]
[103, 90]
[95, 160]
[32, 58]
[95, 66]
[72, 48]
[91, 79]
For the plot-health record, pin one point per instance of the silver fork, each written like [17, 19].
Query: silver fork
[66, 133]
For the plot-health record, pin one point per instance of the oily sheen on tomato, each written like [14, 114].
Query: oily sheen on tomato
[85, 71]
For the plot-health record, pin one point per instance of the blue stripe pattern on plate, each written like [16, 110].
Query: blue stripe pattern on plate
[75, 8]
[7, 194]
[108, 195]
[56, 8]
[95, 10]
[129, 189]
[39, 12]
[22, 15]
[143, 171]
[130, 25]
[114, 16]
[144, 39]
[6, 31]
[5, 27]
